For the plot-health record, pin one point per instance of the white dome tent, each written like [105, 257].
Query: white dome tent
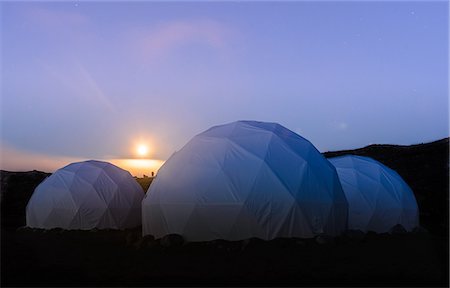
[86, 195]
[378, 198]
[245, 179]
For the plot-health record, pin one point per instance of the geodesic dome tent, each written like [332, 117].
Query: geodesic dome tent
[378, 198]
[86, 195]
[245, 179]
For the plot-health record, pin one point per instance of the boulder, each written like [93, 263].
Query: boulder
[357, 235]
[419, 229]
[172, 240]
[251, 243]
[397, 229]
[146, 241]
[324, 239]
[131, 237]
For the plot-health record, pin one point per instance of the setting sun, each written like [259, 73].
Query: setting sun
[142, 150]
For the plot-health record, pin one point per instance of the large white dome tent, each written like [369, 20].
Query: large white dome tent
[86, 195]
[378, 198]
[245, 179]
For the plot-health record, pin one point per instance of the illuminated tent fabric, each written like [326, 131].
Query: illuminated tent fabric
[377, 196]
[245, 179]
[86, 195]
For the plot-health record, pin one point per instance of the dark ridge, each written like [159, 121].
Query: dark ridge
[16, 189]
[373, 147]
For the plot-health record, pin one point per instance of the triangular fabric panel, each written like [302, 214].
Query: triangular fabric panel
[245, 179]
[378, 198]
[86, 195]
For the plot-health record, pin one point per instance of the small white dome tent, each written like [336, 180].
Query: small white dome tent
[378, 198]
[86, 195]
[245, 179]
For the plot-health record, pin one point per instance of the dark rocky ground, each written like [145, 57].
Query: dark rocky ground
[123, 258]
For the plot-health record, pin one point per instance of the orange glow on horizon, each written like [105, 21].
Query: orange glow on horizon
[139, 167]
[17, 160]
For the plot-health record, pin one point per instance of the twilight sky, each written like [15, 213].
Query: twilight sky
[85, 80]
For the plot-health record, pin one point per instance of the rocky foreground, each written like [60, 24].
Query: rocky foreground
[34, 257]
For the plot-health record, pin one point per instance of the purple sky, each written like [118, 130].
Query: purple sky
[90, 79]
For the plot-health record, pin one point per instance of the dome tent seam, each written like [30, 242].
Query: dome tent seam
[269, 198]
[82, 189]
[382, 193]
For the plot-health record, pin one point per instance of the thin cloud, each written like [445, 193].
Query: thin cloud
[162, 40]
[13, 159]
[94, 89]
[77, 79]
